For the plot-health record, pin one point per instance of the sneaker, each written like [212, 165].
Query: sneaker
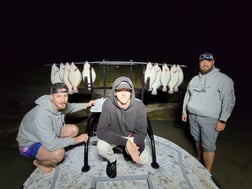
[111, 169]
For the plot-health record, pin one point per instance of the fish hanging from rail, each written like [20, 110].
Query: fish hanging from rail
[66, 78]
[61, 71]
[149, 76]
[165, 77]
[75, 77]
[174, 78]
[180, 78]
[55, 74]
[157, 82]
[86, 75]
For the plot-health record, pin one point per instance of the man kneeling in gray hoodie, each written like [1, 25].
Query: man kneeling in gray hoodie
[123, 122]
[43, 134]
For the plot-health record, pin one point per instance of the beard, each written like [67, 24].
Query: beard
[206, 70]
[61, 106]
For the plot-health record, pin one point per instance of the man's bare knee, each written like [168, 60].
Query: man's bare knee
[70, 130]
[58, 155]
[75, 130]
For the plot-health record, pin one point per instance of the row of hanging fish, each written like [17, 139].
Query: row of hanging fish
[70, 74]
[168, 78]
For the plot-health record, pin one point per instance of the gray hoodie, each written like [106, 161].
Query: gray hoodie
[210, 95]
[43, 124]
[116, 123]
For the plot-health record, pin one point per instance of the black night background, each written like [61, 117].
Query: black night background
[35, 33]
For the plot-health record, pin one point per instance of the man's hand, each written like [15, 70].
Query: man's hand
[132, 149]
[91, 103]
[219, 126]
[81, 138]
[184, 117]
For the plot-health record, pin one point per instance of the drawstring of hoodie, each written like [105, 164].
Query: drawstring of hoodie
[62, 123]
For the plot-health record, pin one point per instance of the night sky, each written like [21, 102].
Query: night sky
[36, 33]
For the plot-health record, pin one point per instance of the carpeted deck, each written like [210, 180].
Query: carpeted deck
[178, 169]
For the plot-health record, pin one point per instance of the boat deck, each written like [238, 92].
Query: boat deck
[178, 169]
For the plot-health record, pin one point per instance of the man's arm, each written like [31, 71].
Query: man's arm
[228, 99]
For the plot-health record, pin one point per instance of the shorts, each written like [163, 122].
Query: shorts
[30, 151]
[106, 150]
[203, 131]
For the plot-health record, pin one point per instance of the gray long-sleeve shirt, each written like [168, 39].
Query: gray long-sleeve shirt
[210, 95]
[43, 124]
